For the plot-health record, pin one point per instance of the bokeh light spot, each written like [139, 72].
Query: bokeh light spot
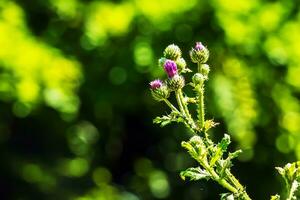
[101, 176]
[159, 184]
[117, 75]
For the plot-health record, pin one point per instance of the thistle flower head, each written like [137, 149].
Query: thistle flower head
[170, 68]
[172, 52]
[159, 90]
[176, 82]
[155, 84]
[199, 54]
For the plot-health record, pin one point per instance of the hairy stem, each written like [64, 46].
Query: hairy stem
[292, 190]
[180, 103]
[237, 184]
[217, 178]
[239, 188]
[173, 108]
[200, 109]
[186, 110]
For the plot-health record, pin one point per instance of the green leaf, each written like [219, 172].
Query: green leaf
[167, 119]
[195, 174]
[235, 154]
[224, 142]
[220, 149]
[226, 164]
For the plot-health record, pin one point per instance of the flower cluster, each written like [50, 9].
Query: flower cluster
[214, 160]
[211, 157]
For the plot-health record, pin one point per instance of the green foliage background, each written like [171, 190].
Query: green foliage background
[76, 112]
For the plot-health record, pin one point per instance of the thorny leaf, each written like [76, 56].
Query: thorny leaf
[227, 196]
[220, 149]
[227, 164]
[195, 174]
[167, 119]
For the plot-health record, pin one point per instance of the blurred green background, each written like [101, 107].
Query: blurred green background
[76, 111]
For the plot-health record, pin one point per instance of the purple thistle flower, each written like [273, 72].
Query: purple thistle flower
[170, 68]
[155, 84]
[199, 46]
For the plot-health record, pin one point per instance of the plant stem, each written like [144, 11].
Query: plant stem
[237, 184]
[217, 178]
[180, 102]
[173, 108]
[292, 190]
[184, 109]
[200, 109]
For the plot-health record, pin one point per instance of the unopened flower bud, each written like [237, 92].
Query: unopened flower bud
[159, 91]
[198, 79]
[205, 69]
[199, 54]
[181, 64]
[172, 52]
[176, 82]
[170, 68]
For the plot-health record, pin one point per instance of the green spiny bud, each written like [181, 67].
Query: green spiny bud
[198, 145]
[198, 79]
[181, 64]
[199, 54]
[161, 93]
[172, 52]
[205, 69]
[196, 140]
[176, 82]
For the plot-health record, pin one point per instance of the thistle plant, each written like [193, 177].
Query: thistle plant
[213, 159]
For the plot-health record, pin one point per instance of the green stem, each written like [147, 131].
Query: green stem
[199, 68]
[233, 185]
[173, 108]
[237, 184]
[217, 178]
[200, 109]
[292, 190]
[184, 109]
[180, 103]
